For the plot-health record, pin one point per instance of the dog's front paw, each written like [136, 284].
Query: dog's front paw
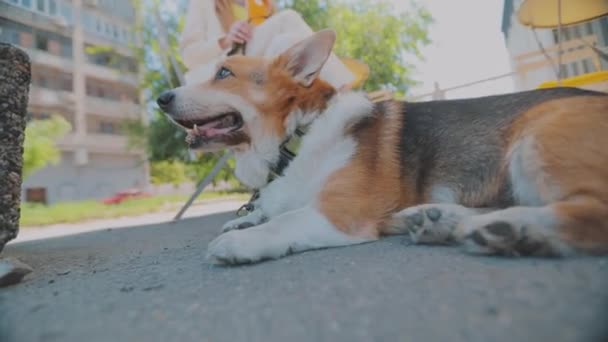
[254, 218]
[237, 224]
[242, 247]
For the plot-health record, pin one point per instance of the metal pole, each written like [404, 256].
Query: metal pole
[164, 43]
[559, 42]
[166, 53]
[202, 185]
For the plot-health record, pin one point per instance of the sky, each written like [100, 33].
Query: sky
[467, 45]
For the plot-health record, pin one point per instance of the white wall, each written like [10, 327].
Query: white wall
[103, 176]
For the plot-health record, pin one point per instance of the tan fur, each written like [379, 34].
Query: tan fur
[280, 94]
[359, 198]
[573, 147]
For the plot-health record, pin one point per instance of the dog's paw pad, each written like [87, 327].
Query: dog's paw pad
[430, 223]
[433, 214]
[237, 224]
[415, 220]
[505, 238]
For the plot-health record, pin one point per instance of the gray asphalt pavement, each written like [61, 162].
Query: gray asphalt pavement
[151, 283]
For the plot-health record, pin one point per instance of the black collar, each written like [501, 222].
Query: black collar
[287, 152]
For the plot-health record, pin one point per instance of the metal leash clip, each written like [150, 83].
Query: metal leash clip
[248, 207]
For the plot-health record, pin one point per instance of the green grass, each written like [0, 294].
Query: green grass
[71, 212]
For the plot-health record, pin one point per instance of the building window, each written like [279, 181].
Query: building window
[42, 42]
[576, 31]
[52, 7]
[43, 82]
[66, 83]
[26, 3]
[604, 28]
[564, 70]
[10, 35]
[587, 65]
[40, 5]
[588, 29]
[35, 195]
[66, 12]
[39, 116]
[575, 70]
[107, 128]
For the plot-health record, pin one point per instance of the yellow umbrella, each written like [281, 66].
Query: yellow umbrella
[546, 13]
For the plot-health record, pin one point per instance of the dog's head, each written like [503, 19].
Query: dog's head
[251, 100]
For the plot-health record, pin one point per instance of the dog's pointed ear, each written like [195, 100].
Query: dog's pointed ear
[305, 59]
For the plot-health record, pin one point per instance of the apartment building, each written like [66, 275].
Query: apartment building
[95, 89]
[534, 53]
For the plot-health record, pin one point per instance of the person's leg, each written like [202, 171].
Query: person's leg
[285, 29]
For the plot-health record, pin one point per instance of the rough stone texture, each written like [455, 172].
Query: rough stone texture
[12, 271]
[15, 77]
[151, 283]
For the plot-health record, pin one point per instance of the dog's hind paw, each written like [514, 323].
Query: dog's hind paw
[508, 233]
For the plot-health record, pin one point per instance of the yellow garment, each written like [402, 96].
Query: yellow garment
[240, 12]
[258, 11]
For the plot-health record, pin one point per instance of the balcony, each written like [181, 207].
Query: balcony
[98, 143]
[44, 58]
[44, 97]
[32, 18]
[108, 143]
[572, 51]
[112, 108]
[118, 47]
[109, 74]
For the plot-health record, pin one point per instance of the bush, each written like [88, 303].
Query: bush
[168, 172]
[39, 148]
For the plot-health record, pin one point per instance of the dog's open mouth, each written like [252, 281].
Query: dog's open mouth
[208, 128]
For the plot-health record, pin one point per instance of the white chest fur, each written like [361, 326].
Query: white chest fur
[324, 149]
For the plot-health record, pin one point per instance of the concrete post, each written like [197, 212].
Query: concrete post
[15, 75]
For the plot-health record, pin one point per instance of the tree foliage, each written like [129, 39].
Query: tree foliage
[39, 149]
[168, 172]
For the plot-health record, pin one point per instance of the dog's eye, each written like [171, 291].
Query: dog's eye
[223, 73]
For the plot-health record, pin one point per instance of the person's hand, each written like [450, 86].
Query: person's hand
[240, 32]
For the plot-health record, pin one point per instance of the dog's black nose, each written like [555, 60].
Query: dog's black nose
[165, 99]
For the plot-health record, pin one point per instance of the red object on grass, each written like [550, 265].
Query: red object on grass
[122, 196]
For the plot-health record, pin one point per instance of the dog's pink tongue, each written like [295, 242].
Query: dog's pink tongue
[209, 130]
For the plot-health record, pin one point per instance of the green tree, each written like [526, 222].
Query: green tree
[39, 148]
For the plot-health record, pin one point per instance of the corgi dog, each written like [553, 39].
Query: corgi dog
[523, 174]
